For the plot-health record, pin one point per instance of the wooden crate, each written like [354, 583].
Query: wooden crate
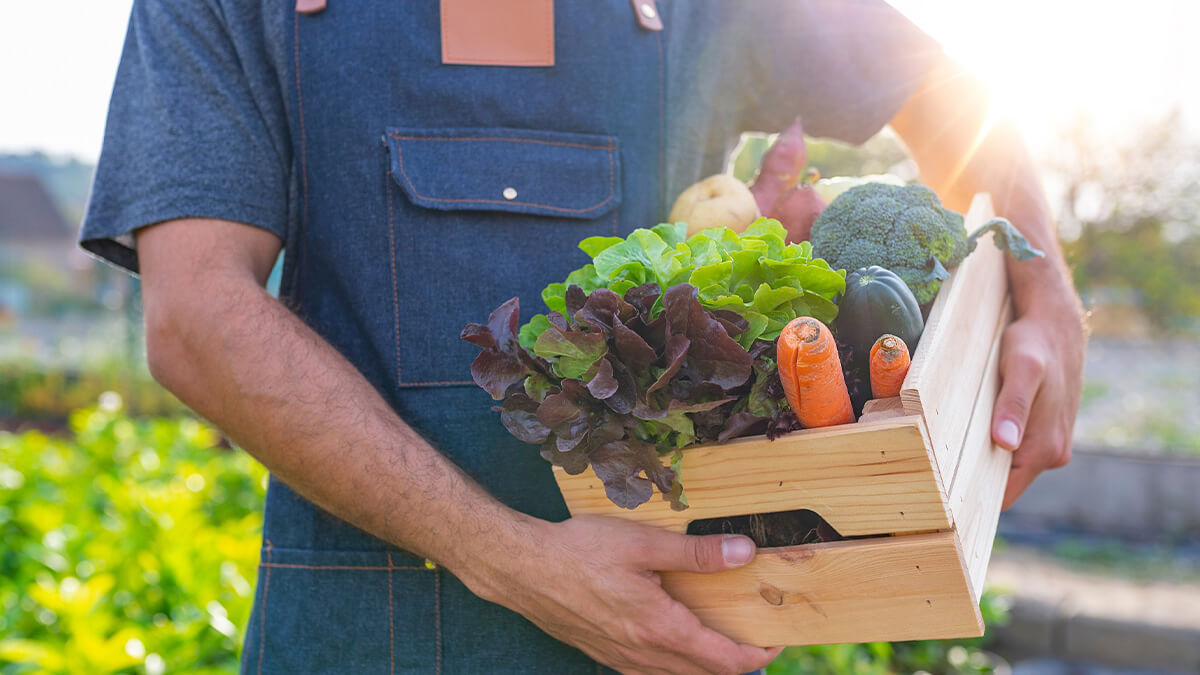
[918, 475]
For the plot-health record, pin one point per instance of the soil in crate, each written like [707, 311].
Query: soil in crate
[770, 530]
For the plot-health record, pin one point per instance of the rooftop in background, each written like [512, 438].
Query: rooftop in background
[28, 213]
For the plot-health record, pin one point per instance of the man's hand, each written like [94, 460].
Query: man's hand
[962, 149]
[1041, 366]
[243, 360]
[591, 582]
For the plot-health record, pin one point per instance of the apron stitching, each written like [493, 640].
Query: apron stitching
[396, 297]
[303, 147]
[437, 617]
[378, 568]
[392, 220]
[500, 139]
[662, 196]
[593, 207]
[614, 222]
[262, 615]
[395, 283]
[391, 620]
[611, 179]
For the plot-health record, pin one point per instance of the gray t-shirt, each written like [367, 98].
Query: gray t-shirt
[844, 66]
[197, 70]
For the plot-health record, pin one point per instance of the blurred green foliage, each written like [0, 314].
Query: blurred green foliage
[130, 546]
[32, 392]
[1164, 275]
[1129, 216]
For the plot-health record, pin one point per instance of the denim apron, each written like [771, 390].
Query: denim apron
[425, 196]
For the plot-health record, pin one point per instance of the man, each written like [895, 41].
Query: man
[420, 167]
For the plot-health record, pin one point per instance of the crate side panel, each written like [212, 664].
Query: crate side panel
[977, 489]
[895, 588]
[864, 479]
[947, 369]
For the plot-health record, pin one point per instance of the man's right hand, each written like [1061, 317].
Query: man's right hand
[240, 358]
[592, 582]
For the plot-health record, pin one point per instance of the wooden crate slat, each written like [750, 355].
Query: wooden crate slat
[882, 409]
[977, 488]
[866, 478]
[948, 366]
[888, 588]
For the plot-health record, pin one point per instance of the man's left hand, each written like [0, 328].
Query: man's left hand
[1041, 366]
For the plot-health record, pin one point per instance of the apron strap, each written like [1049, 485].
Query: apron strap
[309, 6]
[646, 11]
[647, 14]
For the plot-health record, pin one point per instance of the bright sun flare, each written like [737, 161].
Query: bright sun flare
[1046, 61]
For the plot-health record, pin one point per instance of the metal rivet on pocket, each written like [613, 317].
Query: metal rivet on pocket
[510, 193]
[648, 11]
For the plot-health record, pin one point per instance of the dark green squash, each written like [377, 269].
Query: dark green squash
[877, 302]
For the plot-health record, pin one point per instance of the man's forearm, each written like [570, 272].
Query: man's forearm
[1001, 166]
[962, 150]
[241, 359]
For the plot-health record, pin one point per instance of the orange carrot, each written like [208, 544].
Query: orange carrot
[811, 373]
[889, 365]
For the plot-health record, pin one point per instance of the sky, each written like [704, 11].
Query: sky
[58, 59]
[1044, 59]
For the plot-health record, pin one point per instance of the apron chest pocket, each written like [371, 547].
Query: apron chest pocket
[518, 171]
[478, 215]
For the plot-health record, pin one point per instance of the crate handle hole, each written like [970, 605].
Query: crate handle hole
[772, 530]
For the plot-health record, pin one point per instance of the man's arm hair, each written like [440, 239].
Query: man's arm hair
[238, 357]
[961, 149]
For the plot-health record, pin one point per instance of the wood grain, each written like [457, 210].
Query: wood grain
[888, 588]
[882, 409]
[947, 367]
[977, 488]
[865, 478]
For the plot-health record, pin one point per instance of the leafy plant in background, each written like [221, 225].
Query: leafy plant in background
[32, 392]
[130, 546]
[1164, 274]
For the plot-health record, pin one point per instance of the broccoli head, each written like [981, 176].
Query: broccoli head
[904, 229]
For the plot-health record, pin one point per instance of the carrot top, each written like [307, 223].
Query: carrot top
[889, 366]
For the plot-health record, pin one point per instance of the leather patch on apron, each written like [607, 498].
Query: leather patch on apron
[498, 32]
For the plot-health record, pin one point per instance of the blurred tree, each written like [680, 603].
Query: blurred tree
[1129, 216]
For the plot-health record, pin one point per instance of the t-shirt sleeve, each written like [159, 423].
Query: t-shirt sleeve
[196, 129]
[845, 66]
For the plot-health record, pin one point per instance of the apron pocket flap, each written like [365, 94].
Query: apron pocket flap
[517, 170]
